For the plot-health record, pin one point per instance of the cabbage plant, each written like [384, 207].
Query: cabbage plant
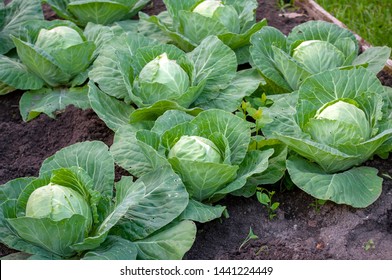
[135, 72]
[310, 48]
[209, 152]
[188, 23]
[71, 210]
[336, 121]
[53, 61]
[96, 11]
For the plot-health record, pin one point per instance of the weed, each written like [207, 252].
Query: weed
[369, 245]
[285, 4]
[264, 196]
[251, 236]
[317, 203]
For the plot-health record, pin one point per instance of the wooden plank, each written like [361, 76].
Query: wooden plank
[317, 12]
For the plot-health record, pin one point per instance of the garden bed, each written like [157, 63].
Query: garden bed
[299, 231]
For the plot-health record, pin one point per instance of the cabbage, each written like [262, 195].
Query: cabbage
[208, 151]
[58, 54]
[60, 37]
[317, 56]
[53, 58]
[70, 210]
[208, 7]
[337, 120]
[195, 148]
[338, 124]
[161, 78]
[57, 203]
[311, 48]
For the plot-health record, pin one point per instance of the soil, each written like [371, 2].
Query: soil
[299, 231]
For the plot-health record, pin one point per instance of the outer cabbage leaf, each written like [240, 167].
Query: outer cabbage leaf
[276, 167]
[163, 198]
[97, 11]
[320, 30]
[114, 248]
[214, 62]
[263, 56]
[197, 27]
[112, 111]
[243, 84]
[358, 187]
[12, 18]
[203, 179]
[50, 101]
[41, 64]
[14, 75]
[373, 58]
[46, 233]
[93, 157]
[202, 213]
[170, 243]
[154, 111]
[255, 162]
[181, 41]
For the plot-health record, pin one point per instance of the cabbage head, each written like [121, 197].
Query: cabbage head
[225, 14]
[207, 8]
[161, 78]
[332, 125]
[311, 48]
[60, 37]
[57, 203]
[336, 121]
[195, 148]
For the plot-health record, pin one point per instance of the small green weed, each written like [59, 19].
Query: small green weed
[317, 203]
[264, 196]
[251, 236]
[248, 111]
[285, 4]
[369, 245]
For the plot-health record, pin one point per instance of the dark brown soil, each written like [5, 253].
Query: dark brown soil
[299, 231]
